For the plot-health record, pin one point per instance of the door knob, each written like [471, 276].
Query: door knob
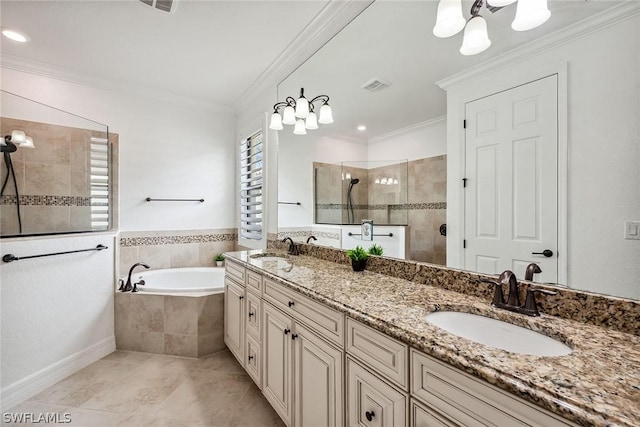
[548, 253]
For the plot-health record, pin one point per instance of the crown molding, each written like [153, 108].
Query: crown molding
[325, 25]
[24, 65]
[578, 30]
[407, 129]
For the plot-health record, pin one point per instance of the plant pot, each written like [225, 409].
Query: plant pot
[358, 265]
[220, 263]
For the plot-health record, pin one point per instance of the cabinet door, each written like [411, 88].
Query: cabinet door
[317, 386]
[234, 319]
[276, 345]
[371, 401]
[423, 416]
[254, 360]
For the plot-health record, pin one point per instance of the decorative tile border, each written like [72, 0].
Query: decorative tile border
[44, 200]
[401, 206]
[174, 240]
[307, 233]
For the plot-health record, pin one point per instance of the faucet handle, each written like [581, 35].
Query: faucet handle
[530, 301]
[121, 283]
[498, 298]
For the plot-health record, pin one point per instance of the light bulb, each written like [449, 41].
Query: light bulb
[276, 122]
[377, 181]
[299, 128]
[475, 39]
[311, 122]
[289, 115]
[530, 14]
[18, 137]
[326, 115]
[449, 20]
[383, 180]
[28, 143]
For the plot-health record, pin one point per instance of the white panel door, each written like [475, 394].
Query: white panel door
[511, 206]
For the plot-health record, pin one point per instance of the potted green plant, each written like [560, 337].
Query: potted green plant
[219, 258]
[358, 258]
[375, 250]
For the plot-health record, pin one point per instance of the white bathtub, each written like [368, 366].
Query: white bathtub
[181, 280]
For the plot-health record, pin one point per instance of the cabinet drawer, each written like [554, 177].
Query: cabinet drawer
[235, 271]
[254, 361]
[254, 315]
[380, 352]
[423, 416]
[371, 401]
[254, 282]
[471, 402]
[327, 322]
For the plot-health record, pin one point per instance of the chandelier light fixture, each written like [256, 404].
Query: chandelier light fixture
[449, 21]
[301, 114]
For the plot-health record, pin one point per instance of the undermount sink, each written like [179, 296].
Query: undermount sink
[282, 260]
[497, 334]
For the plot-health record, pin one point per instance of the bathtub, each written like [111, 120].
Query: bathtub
[179, 311]
[178, 281]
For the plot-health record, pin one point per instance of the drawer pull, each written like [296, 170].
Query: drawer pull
[286, 331]
[291, 303]
[294, 336]
[250, 358]
[241, 297]
[369, 415]
[251, 314]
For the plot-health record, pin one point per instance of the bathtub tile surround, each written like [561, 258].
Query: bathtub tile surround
[173, 249]
[188, 326]
[595, 385]
[616, 313]
[140, 389]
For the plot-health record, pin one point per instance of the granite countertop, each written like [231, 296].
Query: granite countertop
[597, 384]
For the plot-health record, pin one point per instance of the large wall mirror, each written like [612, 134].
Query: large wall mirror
[56, 171]
[387, 72]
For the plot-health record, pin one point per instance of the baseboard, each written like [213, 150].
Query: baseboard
[27, 387]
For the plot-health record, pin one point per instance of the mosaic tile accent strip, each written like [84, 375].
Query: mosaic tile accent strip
[402, 206]
[173, 240]
[45, 200]
[307, 233]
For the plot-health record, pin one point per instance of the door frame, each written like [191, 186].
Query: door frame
[489, 83]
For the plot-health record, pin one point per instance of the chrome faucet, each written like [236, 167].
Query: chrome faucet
[530, 308]
[128, 286]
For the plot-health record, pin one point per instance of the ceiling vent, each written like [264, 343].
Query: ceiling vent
[163, 5]
[375, 85]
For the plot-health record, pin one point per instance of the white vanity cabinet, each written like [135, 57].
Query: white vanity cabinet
[303, 373]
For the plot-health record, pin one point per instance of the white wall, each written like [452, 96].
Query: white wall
[603, 139]
[57, 313]
[423, 140]
[296, 154]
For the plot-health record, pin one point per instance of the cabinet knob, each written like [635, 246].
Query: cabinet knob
[294, 336]
[291, 303]
[369, 415]
[286, 331]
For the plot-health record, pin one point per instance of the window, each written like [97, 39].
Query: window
[251, 187]
[99, 170]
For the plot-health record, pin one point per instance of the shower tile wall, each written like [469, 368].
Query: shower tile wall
[173, 249]
[427, 209]
[331, 193]
[388, 202]
[53, 178]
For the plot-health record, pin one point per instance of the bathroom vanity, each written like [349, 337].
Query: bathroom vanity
[328, 346]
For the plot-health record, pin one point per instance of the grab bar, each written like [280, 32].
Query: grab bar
[12, 257]
[289, 203]
[375, 235]
[149, 199]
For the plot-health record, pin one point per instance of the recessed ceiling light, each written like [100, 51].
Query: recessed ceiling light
[15, 36]
[362, 127]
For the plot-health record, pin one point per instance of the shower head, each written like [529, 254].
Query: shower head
[354, 181]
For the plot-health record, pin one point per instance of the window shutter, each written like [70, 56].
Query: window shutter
[251, 187]
[99, 169]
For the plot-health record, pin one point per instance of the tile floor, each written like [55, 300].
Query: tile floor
[143, 389]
